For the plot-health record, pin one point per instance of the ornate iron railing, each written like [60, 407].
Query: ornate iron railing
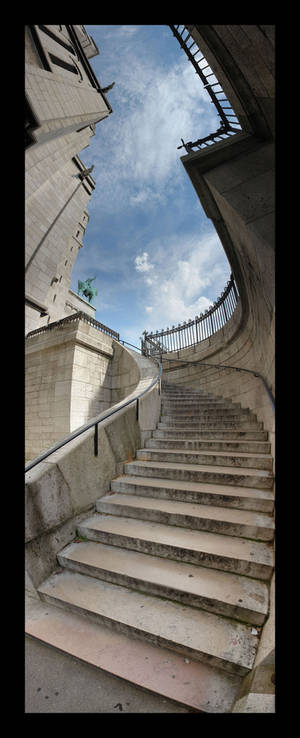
[229, 120]
[194, 331]
[76, 316]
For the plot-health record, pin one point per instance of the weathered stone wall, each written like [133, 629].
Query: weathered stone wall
[60, 490]
[64, 101]
[73, 372]
[61, 100]
[68, 378]
[56, 219]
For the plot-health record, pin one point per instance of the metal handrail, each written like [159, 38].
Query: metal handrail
[227, 366]
[229, 120]
[194, 331]
[94, 422]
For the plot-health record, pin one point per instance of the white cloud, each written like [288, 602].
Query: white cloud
[135, 149]
[181, 288]
[142, 264]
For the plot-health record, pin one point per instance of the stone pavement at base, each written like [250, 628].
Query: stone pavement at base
[59, 683]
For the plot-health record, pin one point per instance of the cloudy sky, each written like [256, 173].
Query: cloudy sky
[155, 255]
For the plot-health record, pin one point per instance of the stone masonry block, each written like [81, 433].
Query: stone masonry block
[47, 501]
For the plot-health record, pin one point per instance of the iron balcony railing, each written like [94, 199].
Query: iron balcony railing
[76, 316]
[193, 331]
[229, 123]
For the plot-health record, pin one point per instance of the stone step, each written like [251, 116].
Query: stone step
[195, 456]
[197, 686]
[202, 404]
[176, 407]
[208, 426]
[224, 433]
[200, 473]
[211, 415]
[257, 447]
[196, 634]
[195, 397]
[223, 593]
[227, 553]
[243, 523]
[240, 498]
[198, 421]
[186, 391]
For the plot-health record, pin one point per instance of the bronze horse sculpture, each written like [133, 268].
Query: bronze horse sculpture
[86, 289]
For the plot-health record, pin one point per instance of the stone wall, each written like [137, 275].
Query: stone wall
[68, 379]
[62, 489]
[63, 101]
[73, 372]
[56, 219]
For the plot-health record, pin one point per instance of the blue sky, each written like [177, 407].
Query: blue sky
[156, 256]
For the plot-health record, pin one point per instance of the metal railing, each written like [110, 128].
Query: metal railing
[95, 422]
[193, 331]
[76, 316]
[229, 122]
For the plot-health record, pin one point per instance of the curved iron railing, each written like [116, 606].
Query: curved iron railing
[194, 331]
[229, 122]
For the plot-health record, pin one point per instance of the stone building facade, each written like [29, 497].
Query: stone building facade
[63, 101]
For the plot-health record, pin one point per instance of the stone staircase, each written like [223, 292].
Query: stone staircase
[167, 585]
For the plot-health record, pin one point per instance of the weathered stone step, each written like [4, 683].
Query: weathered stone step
[171, 387]
[190, 683]
[240, 498]
[220, 433]
[183, 388]
[246, 524]
[212, 415]
[238, 556]
[176, 407]
[197, 634]
[257, 447]
[207, 425]
[223, 593]
[195, 397]
[198, 421]
[201, 473]
[202, 404]
[196, 456]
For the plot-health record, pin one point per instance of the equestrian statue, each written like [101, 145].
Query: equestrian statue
[86, 289]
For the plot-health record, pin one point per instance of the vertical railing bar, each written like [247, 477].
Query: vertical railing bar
[96, 440]
[201, 327]
[194, 332]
